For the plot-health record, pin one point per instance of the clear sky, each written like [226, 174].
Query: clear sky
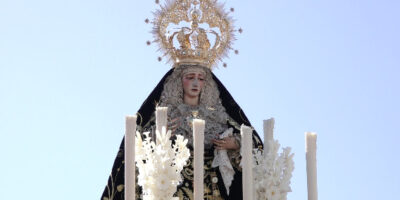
[70, 70]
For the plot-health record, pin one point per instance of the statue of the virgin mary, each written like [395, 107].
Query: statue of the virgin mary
[190, 90]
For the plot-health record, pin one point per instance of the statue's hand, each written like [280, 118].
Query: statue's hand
[174, 124]
[227, 143]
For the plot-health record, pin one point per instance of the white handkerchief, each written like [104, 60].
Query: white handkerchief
[222, 161]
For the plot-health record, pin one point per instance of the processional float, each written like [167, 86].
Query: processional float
[201, 32]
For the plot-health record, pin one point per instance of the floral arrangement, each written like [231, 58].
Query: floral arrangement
[272, 172]
[160, 164]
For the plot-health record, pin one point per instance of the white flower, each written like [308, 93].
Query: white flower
[160, 164]
[273, 193]
[163, 182]
[272, 172]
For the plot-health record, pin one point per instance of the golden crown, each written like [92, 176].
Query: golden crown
[193, 32]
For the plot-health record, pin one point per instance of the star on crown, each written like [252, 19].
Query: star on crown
[193, 32]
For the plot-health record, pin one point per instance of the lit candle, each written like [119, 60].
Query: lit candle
[268, 133]
[311, 157]
[130, 130]
[247, 162]
[198, 161]
[161, 118]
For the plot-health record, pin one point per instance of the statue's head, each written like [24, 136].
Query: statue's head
[193, 79]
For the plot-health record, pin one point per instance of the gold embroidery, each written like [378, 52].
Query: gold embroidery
[120, 187]
[141, 118]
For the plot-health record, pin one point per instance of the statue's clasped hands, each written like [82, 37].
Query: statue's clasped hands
[226, 143]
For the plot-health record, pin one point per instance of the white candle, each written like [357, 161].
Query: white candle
[247, 162]
[198, 161]
[311, 157]
[268, 133]
[130, 130]
[161, 118]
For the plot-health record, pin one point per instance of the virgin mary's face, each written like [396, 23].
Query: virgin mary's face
[193, 82]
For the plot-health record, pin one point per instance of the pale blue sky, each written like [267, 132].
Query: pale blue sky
[71, 70]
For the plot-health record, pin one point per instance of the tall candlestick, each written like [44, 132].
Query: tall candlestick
[311, 157]
[247, 162]
[130, 130]
[161, 118]
[268, 133]
[198, 161]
